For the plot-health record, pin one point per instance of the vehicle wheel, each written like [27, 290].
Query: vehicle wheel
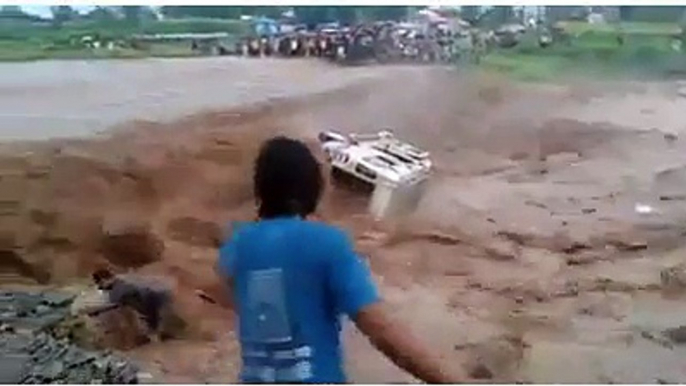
[339, 179]
[343, 180]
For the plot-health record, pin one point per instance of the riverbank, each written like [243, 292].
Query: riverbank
[30, 41]
[601, 51]
[13, 52]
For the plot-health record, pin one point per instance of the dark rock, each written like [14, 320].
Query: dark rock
[130, 245]
[13, 368]
[673, 278]
[535, 204]
[676, 335]
[34, 311]
[631, 246]
[12, 261]
[657, 338]
[676, 197]
[43, 359]
[670, 137]
[480, 371]
[30, 354]
[43, 217]
[501, 250]
[518, 238]
[582, 258]
[575, 247]
[56, 299]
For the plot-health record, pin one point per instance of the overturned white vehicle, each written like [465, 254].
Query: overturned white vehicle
[394, 171]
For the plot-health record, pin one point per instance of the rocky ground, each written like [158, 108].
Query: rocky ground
[38, 345]
[548, 248]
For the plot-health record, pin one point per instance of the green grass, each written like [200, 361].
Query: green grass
[561, 63]
[594, 51]
[525, 67]
[17, 52]
[638, 28]
[117, 28]
[22, 41]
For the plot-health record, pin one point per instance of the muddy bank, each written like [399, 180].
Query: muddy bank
[532, 243]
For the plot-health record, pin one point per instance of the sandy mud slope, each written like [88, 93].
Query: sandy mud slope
[549, 247]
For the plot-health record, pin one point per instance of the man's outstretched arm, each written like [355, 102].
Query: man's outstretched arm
[99, 309]
[356, 295]
[223, 298]
[399, 345]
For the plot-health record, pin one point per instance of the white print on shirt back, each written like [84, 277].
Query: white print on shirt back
[268, 320]
[268, 323]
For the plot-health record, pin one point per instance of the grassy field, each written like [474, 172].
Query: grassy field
[636, 28]
[594, 50]
[21, 41]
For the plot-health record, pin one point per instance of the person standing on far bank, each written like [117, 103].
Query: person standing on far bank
[293, 279]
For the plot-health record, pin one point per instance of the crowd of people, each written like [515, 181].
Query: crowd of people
[384, 42]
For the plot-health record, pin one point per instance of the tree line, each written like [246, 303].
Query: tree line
[304, 14]
[321, 14]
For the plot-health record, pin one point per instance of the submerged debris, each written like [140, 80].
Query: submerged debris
[676, 335]
[673, 278]
[30, 354]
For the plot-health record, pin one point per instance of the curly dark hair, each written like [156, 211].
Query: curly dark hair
[287, 179]
[101, 274]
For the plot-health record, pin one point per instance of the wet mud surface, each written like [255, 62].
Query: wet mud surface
[548, 248]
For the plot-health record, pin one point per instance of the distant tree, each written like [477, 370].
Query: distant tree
[626, 12]
[266, 11]
[387, 12]
[346, 14]
[219, 12]
[132, 13]
[102, 14]
[13, 11]
[170, 11]
[147, 13]
[495, 17]
[670, 14]
[313, 14]
[63, 13]
[565, 12]
[470, 13]
[349, 14]
[519, 15]
[503, 14]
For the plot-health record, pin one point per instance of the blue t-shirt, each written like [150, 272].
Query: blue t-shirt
[293, 280]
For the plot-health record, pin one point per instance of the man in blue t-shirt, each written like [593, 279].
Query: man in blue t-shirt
[292, 280]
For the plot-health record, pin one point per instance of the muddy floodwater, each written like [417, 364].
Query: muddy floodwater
[50, 99]
[550, 245]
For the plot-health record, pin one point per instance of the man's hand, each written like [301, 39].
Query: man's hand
[400, 346]
[224, 297]
[155, 337]
[97, 310]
